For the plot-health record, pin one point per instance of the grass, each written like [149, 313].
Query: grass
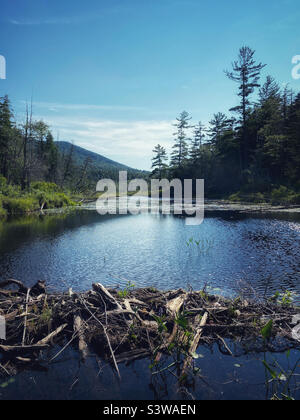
[44, 195]
[279, 195]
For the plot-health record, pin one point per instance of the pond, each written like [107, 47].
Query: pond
[228, 252]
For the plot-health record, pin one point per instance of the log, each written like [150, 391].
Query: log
[52, 335]
[194, 344]
[25, 320]
[11, 316]
[82, 345]
[132, 355]
[99, 288]
[18, 283]
[173, 306]
[22, 349]
[129, 309]
[137, 302]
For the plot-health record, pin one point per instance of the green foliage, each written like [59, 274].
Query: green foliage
[266, 331]
[20, 205]
[182, 321]
[255, 198]
[3, 212]
[53, 200]
[124, 293]
[161, 323]
[254, 157]
[47, 187]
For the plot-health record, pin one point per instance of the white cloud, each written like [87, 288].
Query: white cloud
[56, 107]
[128, 142]
[53, 21]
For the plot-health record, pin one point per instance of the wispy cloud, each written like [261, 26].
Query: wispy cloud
[65, 20]
[129, 142]
[56, 107]
[53, 21]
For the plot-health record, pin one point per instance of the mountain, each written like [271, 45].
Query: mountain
[99, 166]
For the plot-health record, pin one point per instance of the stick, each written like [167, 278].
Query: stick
[174, 305]
[225, 345]
[21, 286]
[83, 347]
[52, 335]
[107, 338]
[22, 349]
[194, 344]
[98, 287]
[25, 320]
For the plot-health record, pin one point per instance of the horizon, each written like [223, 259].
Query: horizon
[119, 97]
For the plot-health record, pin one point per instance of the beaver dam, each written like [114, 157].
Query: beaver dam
[122, 326]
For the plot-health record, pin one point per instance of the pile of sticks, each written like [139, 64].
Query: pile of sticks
[122, 327]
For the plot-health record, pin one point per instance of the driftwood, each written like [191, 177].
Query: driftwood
[18, 283]
[22, 349]
[144, 323]
[79, 329]
[50, 337]
[195, 342]
[99, 288]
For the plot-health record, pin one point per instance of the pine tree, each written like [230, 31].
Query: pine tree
[197, 142]
[269, 90]
[6, 129]
[180, 148]
[159, 161]
[51, 158]
[217, 127]
[246, 72]
[293, 143]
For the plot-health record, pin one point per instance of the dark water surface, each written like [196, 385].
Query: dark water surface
[232, 252]
[82, 247]
[219, 377]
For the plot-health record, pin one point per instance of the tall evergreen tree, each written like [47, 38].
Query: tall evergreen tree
[246, 72]
[197, 142]
[6, 127]
[217, 127]
[159, 161]
[180, 148]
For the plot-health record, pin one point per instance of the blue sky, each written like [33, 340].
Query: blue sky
[112, 75]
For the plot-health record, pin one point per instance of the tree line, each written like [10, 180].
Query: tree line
[28, 153]
[254, 150]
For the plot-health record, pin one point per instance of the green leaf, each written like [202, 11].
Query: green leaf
[272, 372]
[266, 332]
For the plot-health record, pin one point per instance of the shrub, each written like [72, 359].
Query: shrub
[294, 199]
[2, 210]
[235, 197]
[3, 185]
[48, 187]
[283, 195]
[53, 200]
[20, 205]
[257, 197]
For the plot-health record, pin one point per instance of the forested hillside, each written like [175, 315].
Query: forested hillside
[37, 172]
[98, 166]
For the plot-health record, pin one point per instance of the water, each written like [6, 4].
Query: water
[75, 249]
[220, 378]
[82, 247]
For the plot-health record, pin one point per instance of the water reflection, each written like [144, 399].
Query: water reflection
[220, 378]
[226, 252]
